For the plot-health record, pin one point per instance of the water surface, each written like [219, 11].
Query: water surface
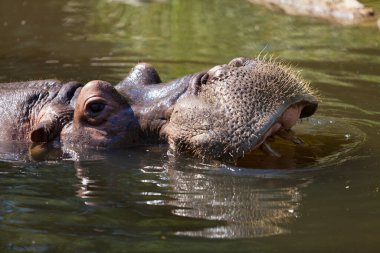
[322, 196]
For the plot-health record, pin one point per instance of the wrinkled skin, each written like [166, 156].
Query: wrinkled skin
[225, 112]
[151, 100]
[94, 115]
[222, 113]
[35, 110]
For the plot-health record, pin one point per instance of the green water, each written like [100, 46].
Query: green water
[319, 197]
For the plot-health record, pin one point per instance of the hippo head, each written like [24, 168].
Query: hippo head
[102, 118]
[234, 108]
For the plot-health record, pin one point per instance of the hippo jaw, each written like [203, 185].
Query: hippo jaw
[281, 124]
[236, 107]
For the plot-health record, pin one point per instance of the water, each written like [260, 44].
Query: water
[319, 197]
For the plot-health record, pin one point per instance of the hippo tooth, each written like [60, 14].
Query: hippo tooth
[288, 134]
[269, 150]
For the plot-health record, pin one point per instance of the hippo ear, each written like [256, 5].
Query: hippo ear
[45, 131]
[141, 74]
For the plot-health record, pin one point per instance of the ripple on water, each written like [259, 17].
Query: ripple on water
[132, 191]
[245, 207]
[328, 141]
[259, 197]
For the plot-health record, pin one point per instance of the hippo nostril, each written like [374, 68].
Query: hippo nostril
[237, 62]
[242, 62]
[204, 79]
[196, 82]
[216, 71]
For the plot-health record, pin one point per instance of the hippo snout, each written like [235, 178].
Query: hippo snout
[237, 107]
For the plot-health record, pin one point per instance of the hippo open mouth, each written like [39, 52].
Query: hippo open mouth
[282, 126]
[234, 108]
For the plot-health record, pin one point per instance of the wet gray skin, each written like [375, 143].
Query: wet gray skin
[94, 115]
[90, 116]
[35, 110]
[222, 113]
[153, 101]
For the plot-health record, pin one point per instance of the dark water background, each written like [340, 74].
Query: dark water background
[319, 197]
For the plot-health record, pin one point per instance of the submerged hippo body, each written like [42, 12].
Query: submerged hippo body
[222, 113]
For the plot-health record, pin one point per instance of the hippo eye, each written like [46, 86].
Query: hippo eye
[94, 108]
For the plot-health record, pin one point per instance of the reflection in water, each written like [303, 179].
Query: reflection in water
[101, 174]
[242, 202]
[251, 202]
[137, 201]
[242, 205]
[86, 185]
[249, 207]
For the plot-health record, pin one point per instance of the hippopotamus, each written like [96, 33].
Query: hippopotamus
[93, 115]
[224, 112]
[221, 113]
